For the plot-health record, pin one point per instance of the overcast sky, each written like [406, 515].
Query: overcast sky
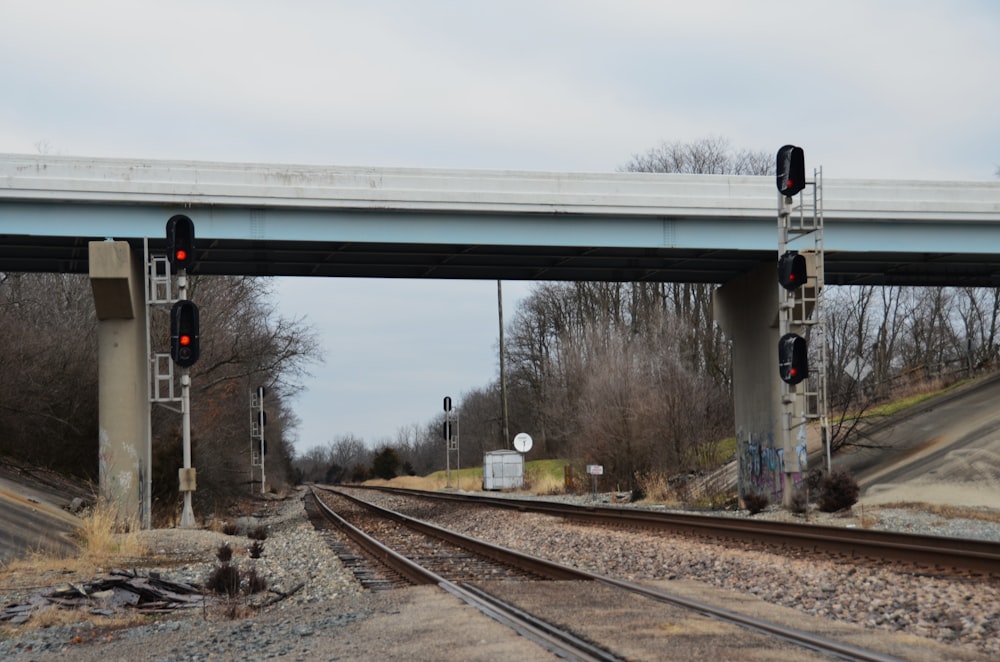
[870, 89]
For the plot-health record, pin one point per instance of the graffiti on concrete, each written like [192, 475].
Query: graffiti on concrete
[762, 466]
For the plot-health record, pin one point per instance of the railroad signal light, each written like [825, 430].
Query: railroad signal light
[793, 361]
[792, 270]
[184, 333]
[447, 430]
[180, 242]
[791, 170]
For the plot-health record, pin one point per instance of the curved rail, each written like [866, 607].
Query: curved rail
[961, 554]
[474, 596]
[531, 564]
[561, 643]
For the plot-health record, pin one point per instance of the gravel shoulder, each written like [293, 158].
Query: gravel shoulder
[331, 618]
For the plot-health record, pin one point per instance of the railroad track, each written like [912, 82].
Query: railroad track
[459, 558]
[925, 553]
[464, 576]
[396, 541]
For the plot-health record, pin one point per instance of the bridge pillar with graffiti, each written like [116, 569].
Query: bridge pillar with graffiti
[762, 468]
[747, 310]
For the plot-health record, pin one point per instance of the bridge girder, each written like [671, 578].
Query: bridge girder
[281, 220]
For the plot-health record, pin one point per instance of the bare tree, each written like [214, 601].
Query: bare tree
[48, 397]
[607, 369]
[707, 156]
[48, 394]
[703, 343]
[312, 465]
[348, 451]
[641, 408]
[895, 339]
[244, 344]
[979, 310]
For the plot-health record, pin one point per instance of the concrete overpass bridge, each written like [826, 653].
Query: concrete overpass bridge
[57, 213]
[286, 220]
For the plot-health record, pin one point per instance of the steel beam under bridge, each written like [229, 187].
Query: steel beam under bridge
[261, 219]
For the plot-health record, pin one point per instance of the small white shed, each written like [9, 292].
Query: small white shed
[503, 470]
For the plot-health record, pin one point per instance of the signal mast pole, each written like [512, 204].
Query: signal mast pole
[187, 474]
[184, 344]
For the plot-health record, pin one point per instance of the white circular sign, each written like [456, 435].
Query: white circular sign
[522, 442]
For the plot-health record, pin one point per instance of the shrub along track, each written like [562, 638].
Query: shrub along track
[461, 561]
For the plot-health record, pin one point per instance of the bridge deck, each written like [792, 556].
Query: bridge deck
[266, 219]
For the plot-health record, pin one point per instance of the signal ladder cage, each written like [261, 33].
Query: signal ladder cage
[803, 308]
[256, 430]
[159, 293]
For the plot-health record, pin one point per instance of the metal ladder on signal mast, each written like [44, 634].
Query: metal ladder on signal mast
[802, 311]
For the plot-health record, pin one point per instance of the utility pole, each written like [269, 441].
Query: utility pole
[504, 428]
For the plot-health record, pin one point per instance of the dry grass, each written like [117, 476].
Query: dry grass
[544, 484]
[867, 520]
[55, 616]
[433, 482]
[104, 539]
[906, 396]
[108, 534]
[657, 489]
[539, 482]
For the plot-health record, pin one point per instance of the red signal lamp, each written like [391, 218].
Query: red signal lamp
[180, 242]
[792, 272]
[791, 167]
[184, 333]
[793, 361]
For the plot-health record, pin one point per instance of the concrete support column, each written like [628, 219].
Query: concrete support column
[117, 281]
[747, 310]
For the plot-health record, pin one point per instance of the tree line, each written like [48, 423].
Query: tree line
[636, 377]
[49, 390]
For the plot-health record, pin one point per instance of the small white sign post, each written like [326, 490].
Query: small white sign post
[595, 470]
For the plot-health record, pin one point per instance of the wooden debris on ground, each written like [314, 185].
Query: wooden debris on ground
[118, 589]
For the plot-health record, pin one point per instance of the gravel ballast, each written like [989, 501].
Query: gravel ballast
[954, 610]
[295, 555]
[326, 616]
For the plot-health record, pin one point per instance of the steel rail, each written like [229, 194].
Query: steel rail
[559, 642]
[539, 623]
[533, 564]
[397, 562]
[963, 554]
[790, 635]
[800, 637]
